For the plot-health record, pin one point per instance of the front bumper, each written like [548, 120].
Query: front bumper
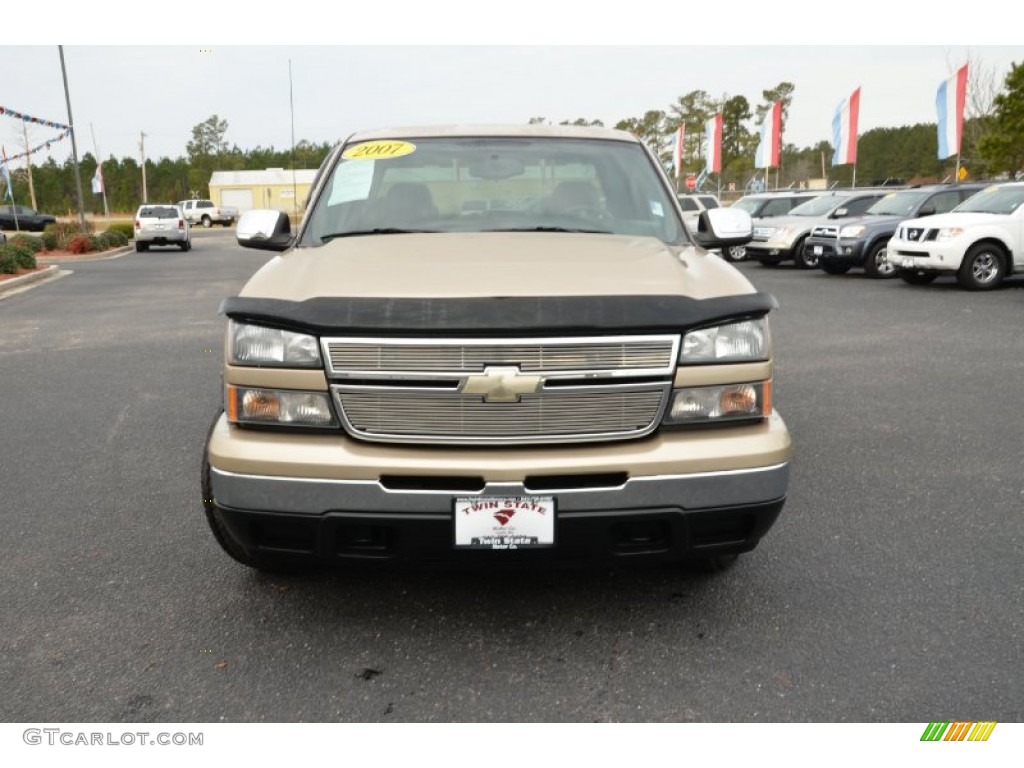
[655, 498]
[931, 256]
[841, 251]
[773, 250]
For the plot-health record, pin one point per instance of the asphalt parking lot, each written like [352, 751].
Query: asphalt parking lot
[889, 590]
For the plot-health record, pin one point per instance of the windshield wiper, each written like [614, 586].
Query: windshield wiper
[553, 229]
[375, 231]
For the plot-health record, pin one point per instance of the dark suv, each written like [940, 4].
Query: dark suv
[862, 242]
[23, 217]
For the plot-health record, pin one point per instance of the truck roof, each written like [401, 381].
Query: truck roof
[527, 131]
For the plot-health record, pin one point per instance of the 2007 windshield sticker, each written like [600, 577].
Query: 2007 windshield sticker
[378, 150]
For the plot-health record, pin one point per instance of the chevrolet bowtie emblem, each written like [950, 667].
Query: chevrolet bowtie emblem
[501, 385]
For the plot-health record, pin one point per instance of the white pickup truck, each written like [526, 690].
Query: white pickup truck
[981, 241]
[207, 214]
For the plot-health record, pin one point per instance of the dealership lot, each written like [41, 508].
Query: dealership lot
[889, 590]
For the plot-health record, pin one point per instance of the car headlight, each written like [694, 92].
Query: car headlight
[259, 405]
[729, 402]
[948, 233]
[257, 345]
[853, 231]
[741, 342]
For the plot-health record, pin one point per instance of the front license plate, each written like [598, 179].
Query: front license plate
[513, 522]
[817, 250]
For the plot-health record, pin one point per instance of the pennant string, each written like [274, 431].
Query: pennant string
[15, 115]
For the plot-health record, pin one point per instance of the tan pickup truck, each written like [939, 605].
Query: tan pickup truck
[561, 374]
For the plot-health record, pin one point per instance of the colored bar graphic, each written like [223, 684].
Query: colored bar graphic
[960, 731]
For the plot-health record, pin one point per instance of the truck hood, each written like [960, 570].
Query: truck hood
[963, 219]
[480, 265]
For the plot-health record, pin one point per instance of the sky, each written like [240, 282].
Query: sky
[120, 91]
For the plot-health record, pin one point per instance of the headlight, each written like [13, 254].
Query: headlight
[256, 345]
[729, 402]
[948, 233]
[257, 405]
[733, 343]
[855, 231]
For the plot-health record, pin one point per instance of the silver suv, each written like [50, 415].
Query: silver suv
[161, 225]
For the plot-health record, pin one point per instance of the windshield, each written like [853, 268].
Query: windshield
[898, 203]
[749, 204]
[494, 184]
[158, 212]
[1004, 200]
[819, 206]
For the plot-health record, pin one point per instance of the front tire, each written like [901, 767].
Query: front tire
[735, 253]
[983, 268]
[207, 222]
[877, 264]
[803, 259]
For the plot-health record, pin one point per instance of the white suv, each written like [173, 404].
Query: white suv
[161, 225]
[981, 240]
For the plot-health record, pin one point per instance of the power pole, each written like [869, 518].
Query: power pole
[142, 151]
[28, 164]
[74, 146]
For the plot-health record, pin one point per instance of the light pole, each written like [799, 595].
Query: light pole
[74, 145]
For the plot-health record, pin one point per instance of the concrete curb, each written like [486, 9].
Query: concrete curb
[114, 254]
[17, 284]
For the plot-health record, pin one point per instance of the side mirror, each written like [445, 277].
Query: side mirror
[264, 229]
[721, 227]
[928, 210]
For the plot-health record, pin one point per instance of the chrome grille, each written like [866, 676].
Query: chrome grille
[519, 390]
[458, 357]
[825, 232]
[544, 417]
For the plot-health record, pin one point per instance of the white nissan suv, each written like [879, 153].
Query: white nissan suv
[981, 240]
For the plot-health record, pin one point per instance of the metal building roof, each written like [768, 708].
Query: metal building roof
[268, 177]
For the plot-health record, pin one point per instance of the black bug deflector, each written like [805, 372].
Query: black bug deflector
[499, 315]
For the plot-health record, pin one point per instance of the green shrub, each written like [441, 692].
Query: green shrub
[80, 244]
[113, 239]
[26, 259]
[97, 243]
[126, 228]
[8, 260]
[14, 257]
[28, 242]
[66, 231]
[49, 241]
